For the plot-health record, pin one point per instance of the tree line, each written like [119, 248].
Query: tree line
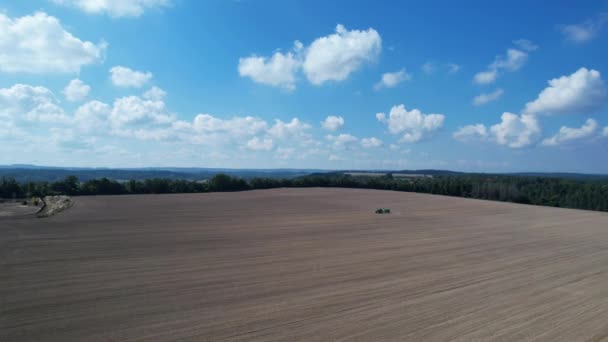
[546, 191]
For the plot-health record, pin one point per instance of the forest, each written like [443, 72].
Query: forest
[546, 191]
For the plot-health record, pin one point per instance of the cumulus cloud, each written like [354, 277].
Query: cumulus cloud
[38, 43]
[605, 131]
[155, 94]
[516, 131]
[125, 77]
[569, 134]
[283, 130]
[582, 92]
[484, 98]
[332, 122]
[258, 144]
[115, 8]
[412, 125]
[329, 58]
[76, 90]
[33, 113]
[471, 132]
[371, 142]
[236, 126]
[93, 116]
[392, 79]
[585, 31]
[342, 141]
[25, 103]
[136, 110]
[336, 56]
[512, 61]
[279, 70]
[130, 117]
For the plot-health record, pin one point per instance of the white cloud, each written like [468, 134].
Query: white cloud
[278, 70]
[10, 132]
[155, 94]
[471, 132]
[336, 56]
[568, 134]
[129, 117]
[24, 103]
[76, 90]
[412, 125]
[145, 133]
[32, 115]
[585, 31]
[392, 79]
[333, 157]
[525, 45]
[516, 131]
[605, 131]
[332, 122]
[125, 77]
[484, 98]
[514, 60]
[258, 144]
[285, 152]
[115, 8]
[235, 127]
[330, 58]
[485, 77]
[93, 116]
[342, 141]
[135, 110]
[582, 92]
[371, 142]
[38, 43]
[283, 130]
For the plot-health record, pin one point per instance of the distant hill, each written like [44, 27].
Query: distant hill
[27, 173]
[565, 175]
[436, 173]
[426, 172]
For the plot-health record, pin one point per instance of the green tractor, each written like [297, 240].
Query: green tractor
[383, 211]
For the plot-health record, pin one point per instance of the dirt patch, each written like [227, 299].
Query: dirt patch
[54, 205]
[10, 209]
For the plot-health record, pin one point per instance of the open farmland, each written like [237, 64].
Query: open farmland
[304, 264]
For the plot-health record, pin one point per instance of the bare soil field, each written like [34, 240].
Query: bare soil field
[304, 265]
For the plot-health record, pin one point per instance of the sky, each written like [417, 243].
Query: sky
[468, 86]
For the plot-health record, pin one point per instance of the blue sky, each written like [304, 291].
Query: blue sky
[305, 84]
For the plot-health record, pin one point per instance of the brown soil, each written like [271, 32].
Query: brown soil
[304, 265]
